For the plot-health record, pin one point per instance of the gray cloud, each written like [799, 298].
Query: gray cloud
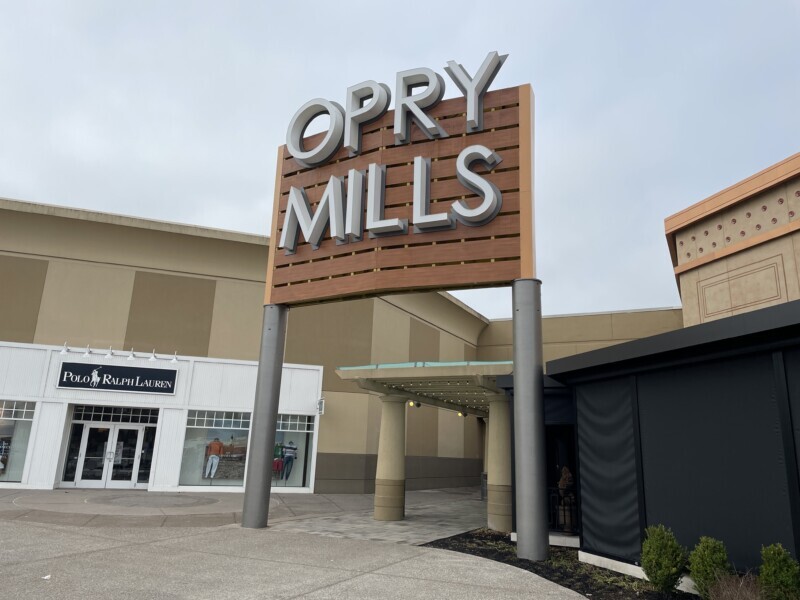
[174, 111]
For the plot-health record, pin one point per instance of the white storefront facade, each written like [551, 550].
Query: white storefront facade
[94, 418]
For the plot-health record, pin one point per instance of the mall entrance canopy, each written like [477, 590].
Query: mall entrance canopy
[467, 387]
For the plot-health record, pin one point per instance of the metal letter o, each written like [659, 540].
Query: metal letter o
[330, 143]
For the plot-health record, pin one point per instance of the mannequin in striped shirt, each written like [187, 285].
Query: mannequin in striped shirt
[289, 454]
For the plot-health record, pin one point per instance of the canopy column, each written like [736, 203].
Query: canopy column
[499, 490]
[390, 476]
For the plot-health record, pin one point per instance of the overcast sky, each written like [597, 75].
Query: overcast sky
[174, 111]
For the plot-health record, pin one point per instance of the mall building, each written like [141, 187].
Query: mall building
[128, 352]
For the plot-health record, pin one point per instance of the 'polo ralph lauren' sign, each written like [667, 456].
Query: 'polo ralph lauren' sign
[111, 378]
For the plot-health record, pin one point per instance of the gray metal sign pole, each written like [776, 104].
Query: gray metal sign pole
[529, 444]
[255, 512]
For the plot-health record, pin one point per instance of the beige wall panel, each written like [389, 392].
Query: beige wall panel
[451, 348]
[470, 352]
[793, 196]
[451, 434]
[373, 424]
[778, 247]
[342, 429]
[85, 305]
[23, 281]
[495, 353]
[443, 312]
[497, 333]
[790, 264]
[712, 269]
[391, 332]
[689, 299]
[581, 347]
[423, 342]
[473, 438]
[338, 334]
[568, 335]
[796, 255]
[686, 248]
[170, 313]
[577, 328]
[638, 324]
[236, 322]
[554, 351]
[714, 297]
[759, 285]
[761, 276]
[422, 431]
[51, 236]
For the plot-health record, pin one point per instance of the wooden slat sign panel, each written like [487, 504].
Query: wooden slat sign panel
[441, 201]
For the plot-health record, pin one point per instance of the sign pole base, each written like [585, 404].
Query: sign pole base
[255, 512]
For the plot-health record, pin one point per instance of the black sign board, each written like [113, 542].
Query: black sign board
[113, 378]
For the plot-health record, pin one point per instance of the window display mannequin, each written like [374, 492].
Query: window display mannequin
[277, 461]
[289, 454]
[213, 451]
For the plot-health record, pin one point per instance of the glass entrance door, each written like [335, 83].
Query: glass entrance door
[92, 459]
[110, 456]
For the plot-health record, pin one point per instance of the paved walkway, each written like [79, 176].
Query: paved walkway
[132, 544]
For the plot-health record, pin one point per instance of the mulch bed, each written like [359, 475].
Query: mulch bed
[562, 567]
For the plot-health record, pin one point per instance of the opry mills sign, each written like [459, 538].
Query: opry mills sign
[435, 194]
[367, 102]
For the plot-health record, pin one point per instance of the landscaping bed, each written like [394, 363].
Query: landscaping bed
[562, 567]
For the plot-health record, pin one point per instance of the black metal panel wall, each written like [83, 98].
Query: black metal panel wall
[792, 361]
[712, 454]
[607, 458]
[559, 407]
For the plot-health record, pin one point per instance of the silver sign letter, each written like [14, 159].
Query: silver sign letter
[298, 214]
[492, 199]
[413, 104]
[297, 128]
[358, 114]
[422, 200]
[474, 88]
[376, 193]
[354, 219]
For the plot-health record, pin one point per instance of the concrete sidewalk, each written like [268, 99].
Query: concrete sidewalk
[130, 544]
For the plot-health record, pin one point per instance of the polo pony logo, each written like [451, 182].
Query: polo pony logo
[95, 378]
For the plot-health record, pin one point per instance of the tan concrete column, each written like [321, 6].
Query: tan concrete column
[390, 476]
[498, 506]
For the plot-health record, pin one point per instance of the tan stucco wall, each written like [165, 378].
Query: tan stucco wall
[85, 304]
[573, 334]
[236, 320]
[345, 412]
[23, 280]
[105, 280]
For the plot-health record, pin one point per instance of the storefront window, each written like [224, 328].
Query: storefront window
[293, 446]
[15, 430]
[215, 448]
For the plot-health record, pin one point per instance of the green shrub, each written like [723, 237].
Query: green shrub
[733, 587]
[780, 574]
[663, 558]
[708, 562]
